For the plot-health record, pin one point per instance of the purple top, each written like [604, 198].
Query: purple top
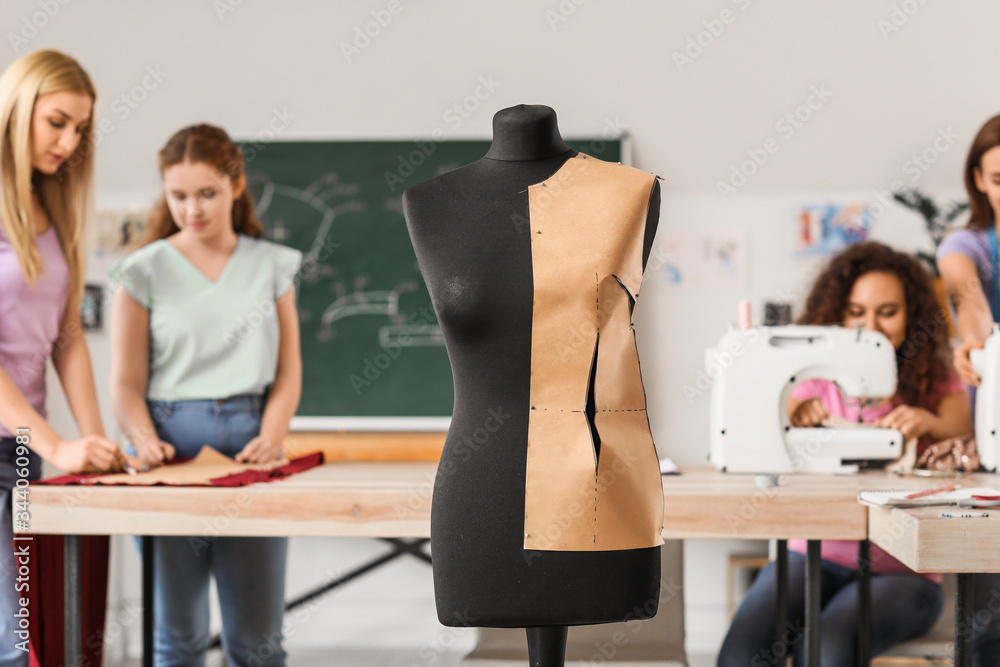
[974, 244]
[30, 319]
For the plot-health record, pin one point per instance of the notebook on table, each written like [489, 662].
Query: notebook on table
[898, 497]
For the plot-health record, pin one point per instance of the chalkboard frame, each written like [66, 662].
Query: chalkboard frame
[392, 423]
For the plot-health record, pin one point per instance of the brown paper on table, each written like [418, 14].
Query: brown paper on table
[199, 471]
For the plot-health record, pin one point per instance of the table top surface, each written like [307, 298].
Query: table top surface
[393, 499]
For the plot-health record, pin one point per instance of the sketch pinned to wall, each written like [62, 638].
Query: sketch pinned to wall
[712, 260]
[824, 229]
[91, 308]
[119, 232]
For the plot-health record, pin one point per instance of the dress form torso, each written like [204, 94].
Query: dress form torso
[471, 230]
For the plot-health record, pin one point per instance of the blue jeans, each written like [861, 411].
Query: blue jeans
[903, 606]
[9, 653]
[249, 571]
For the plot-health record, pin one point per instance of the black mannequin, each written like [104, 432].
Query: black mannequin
[470, 231]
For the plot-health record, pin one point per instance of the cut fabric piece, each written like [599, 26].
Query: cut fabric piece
[587, 229]
[208, 468]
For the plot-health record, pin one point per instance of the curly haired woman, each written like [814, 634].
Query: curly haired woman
[873, 287]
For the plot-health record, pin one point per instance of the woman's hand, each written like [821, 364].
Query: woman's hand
[913, 422]
[92, 453]
[154, 452]
[963, 366]
[261, 450]
[809, 412]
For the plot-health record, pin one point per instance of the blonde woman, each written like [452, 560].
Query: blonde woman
[46, 106]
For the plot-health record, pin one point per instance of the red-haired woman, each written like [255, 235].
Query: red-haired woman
[206, 351]
[969, 265]
[876, 288]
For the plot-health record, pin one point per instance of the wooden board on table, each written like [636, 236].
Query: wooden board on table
[925, 541]
[367, 446]
[344, 499]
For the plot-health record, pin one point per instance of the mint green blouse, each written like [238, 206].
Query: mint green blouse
[209, 340]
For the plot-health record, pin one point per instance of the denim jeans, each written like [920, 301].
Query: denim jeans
[9, 653]
[249, 571]
[903, 606]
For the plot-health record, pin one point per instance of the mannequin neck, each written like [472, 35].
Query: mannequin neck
[526, 132]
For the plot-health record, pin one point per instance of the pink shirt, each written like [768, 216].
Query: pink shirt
[844, 552]
[30, 318]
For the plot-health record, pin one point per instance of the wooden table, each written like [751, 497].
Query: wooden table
[925, 541]
[392, 499]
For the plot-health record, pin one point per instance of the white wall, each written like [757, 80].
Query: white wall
[605, 64]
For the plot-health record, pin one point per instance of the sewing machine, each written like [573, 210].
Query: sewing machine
[986, 363]
[754, 372]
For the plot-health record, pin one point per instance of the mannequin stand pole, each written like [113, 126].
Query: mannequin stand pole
[547, 646]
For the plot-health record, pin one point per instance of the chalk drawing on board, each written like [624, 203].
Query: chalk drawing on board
[315, 196]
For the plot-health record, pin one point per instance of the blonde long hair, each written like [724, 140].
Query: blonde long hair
[65, 195]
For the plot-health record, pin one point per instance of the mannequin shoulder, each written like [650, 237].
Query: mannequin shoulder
[440, 195]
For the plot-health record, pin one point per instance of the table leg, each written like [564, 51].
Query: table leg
[147, 601]
[781, 592]
[864, 602]
[963, 619]
[813, 595]
[71, 599]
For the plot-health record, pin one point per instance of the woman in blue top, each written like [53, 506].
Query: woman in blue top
[206, 351]
[969, 263]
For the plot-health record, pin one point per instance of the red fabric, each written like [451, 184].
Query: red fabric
[45, 603]
[45, 606]
[247, 477]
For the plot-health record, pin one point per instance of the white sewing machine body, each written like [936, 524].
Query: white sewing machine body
[755, 371]
[986, 362]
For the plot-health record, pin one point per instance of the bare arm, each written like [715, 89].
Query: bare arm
[72, 362]
[92, 452]
[130, 375]
[953, 418]
[283, 398]
[975, 321]
[16, 412]
[803, 413]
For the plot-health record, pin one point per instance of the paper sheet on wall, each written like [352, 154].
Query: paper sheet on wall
[695, 259]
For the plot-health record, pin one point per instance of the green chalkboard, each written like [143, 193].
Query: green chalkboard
[371, 345]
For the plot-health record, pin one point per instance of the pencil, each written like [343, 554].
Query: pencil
[931, 492]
